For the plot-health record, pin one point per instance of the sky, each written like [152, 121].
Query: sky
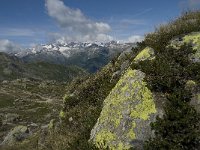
[25, 23]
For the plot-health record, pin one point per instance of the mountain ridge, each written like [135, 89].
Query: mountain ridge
[14, 68]
[90, 56]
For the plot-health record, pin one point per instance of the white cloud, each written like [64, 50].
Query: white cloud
[76, 25]
[16, 32]
[8, 46]
[190, 4]
[62, 38]
[132, 22]
[135, 38]
[194, 3]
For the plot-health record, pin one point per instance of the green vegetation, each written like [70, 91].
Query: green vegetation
[187, 23]
[6, 100]
[47, 71]
[169, 71]
[13, 68]
[26, 102]
[179, 127]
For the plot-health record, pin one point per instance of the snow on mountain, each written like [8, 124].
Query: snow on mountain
[83, 55]
[71, 48]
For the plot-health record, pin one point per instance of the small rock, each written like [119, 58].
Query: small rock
[5, 82]
[70, 119]
[33, 125]
[11, 118]
[45, 126]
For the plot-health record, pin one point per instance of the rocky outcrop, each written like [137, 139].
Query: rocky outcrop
[126, 115]
[195, 101]
[145, 54]
[17, 134]
[193, 39]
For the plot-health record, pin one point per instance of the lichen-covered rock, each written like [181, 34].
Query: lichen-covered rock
[193, 39]
[194, 87]
[19, 133]
[191, 85]
[126, 115]
[145, 54]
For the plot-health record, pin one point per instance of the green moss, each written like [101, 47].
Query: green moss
[145, 54]
[6, 100]
[65, 98]
[51, 124]
[62, 114]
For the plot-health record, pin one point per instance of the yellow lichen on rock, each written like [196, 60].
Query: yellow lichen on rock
[104, 137]
[131, 133]
[145, 54]
[191, 85]
[193, 38]
[129, 103]
[146, 107]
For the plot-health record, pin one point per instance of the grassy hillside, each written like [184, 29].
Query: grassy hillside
[13, 68]
[170, 72]
[26, 102]
[47, 71]
[158, 40]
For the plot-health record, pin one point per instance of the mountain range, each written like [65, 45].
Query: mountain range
[12, 67]
[89, 56]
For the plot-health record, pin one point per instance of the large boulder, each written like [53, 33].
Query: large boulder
[17, 134]
[193, 39]
[126, 115]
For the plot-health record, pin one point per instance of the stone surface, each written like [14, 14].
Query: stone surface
[126, 115]
[196, 101]
[11, 118]
[17, 134]
[193, 39]
[145, 54]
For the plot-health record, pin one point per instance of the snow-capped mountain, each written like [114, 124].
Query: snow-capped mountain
[90, 56]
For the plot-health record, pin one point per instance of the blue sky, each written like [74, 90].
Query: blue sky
[29, 22]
